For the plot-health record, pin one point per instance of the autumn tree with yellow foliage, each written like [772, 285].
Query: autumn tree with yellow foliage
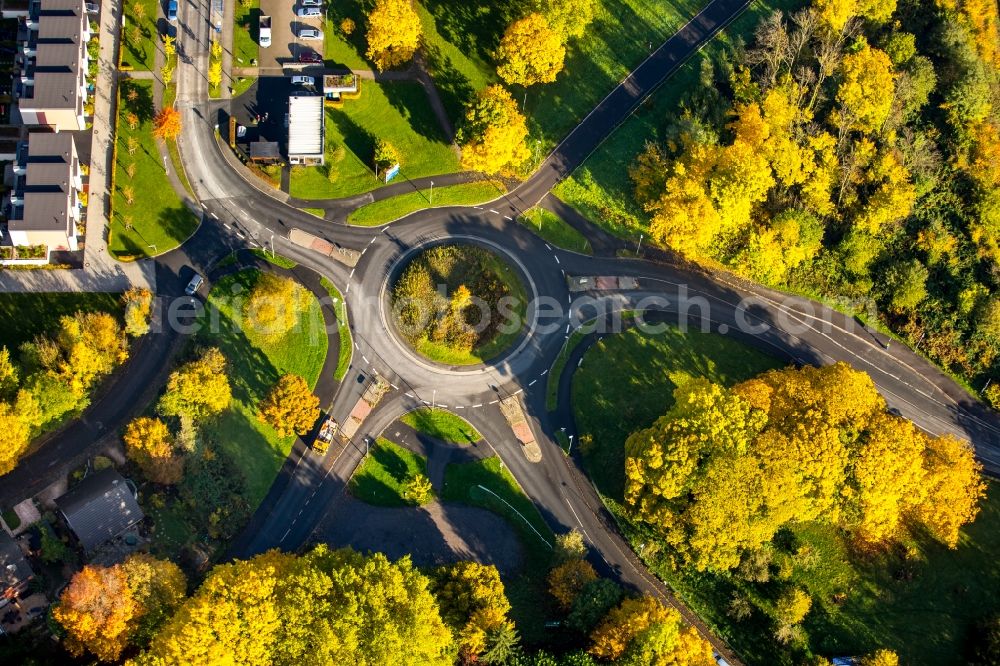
[198, 389]
[322, 607]
[530, 52]
[644, 631]
[274, 305]
[105, 609]
[394, 33]
[567, 580]
[493, 135]
[150, 445]
[725, 469]
[290, 406]
[473, 603]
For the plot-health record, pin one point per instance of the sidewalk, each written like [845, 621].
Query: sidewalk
[101, 272]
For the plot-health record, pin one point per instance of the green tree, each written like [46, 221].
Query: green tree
[385, 155]
[290, 406]
[9, 374]
[595, 600]
[569, 546]
[905, 285]
[501, 644]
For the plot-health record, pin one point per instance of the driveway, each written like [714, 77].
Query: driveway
[285, 46]
[438, 533]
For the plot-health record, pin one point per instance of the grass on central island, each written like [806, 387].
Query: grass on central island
[381, 479]
[157, 220]
[393, 208]
[918, 598]
[397, 112]
[442, 424]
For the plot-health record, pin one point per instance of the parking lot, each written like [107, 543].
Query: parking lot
[285, 44]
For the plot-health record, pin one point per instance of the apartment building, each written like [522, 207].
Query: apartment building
[44, 206]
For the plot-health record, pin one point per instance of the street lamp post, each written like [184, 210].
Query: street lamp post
[432, 192]
[569, 451]
[272, 244]
[638, 245]
[434, 396]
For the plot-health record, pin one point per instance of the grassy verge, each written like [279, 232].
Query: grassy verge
[276, 259]
[25, 315]
[381, 478]
[442, 424]
[156, 220]
[141, 53]
[626, 382]
[255, 364]
[601, 189]
[552, 387]
[397, 112]
[555, 230]
[245, 24]
[318, 212]
[178, 165]
[346, 350]
[388, 210]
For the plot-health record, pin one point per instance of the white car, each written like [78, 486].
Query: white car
[301, 80]
[310, 33]
[308, 12]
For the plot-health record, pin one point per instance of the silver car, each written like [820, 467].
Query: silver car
[194, 285]
[312, 3]
[310, 33]
[308, 12]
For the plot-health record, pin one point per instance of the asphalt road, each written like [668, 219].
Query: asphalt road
[237, 214]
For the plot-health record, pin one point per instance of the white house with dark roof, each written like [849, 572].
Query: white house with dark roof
[52, 89]
[44, 207]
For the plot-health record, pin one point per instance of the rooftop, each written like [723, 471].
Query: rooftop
[54, 90]
[100, 508]
[14, 567]
[305, 125]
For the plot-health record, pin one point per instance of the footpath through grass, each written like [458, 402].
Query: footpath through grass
[156, 220]
[390, 210]
[381, 479]
[255, 364]
[442, 424]
[601, 188]
[398, 112]
[555, 230]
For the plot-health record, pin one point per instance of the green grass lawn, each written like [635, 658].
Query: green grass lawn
[276, 259]
[442, 424]
[389, 210]
[158, 218]
[141, 54]
[25, 315]
[343, 330]
[255, 364]
[398, 112]
[341, 50]
[555, 230]
[381, 478]
[245, 28]
[627, 380]
[601, 188]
